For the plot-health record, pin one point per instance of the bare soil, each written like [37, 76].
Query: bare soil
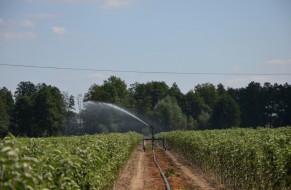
[141, 173]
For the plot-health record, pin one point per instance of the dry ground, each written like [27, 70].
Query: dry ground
[140, 173]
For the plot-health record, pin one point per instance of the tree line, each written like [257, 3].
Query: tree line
[34, 110]
[43, 110]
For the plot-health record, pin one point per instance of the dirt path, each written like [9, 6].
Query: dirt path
[135, 167]
[137, 182]
[198, 180]
[140, 173]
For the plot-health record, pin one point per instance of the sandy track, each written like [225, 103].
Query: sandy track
[137, 182]
[196, 179]
[132, 174]
[140, 173]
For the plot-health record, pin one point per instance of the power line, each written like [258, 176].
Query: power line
[144, 72]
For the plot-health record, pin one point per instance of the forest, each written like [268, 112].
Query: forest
[41, 110]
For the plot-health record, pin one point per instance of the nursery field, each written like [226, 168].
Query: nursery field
[232, 159]
[86, 162]
[239, 158]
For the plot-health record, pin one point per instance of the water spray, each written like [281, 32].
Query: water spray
[127, 112]
[152, 139]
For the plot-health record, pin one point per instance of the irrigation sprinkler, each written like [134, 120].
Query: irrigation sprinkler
[153, 139]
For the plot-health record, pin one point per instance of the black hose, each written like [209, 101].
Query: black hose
[162, 173]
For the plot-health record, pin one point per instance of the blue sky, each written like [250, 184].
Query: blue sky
[197, 36]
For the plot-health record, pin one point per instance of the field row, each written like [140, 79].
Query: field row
[240, 158]
[86, 162]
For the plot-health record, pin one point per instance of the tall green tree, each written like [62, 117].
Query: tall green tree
[203, 121]
[23, 112]
[23, 116]
[226, 113]
[25, 88]
[146, 96]
[140, 98]
[276, 104]
[116, 90]
[169, 115]
[252, 105]
[175, 92]
[113, 90]
[221, 90]
[39, 110]
[50, 111]
[208, 92]
[195, 104]
[285, 96]
[158, 91]
[6, 107]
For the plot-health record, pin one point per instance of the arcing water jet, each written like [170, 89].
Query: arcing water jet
[108, 105]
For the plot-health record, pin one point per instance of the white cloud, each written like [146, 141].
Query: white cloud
[59, 30]
[103, 4]
[1, 21]
[44, 16]
[27, 23]
[62, 1]
[18, 35]
[10, 27]
[277, 62]
[275, 66]
[114, 4]
[83, 36]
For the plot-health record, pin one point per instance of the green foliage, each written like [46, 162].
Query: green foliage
[195, 104]
[225, 114]
[208, 92]
[114, 90]
[50, 111]
[241, 158]
[203, 121]
[6, 106]
[146, 96]
[86, 162]
[4, 119]
[252, 105]
[191, 123]
[39, 110]
[23, 116]
[25, 89]
[170, 172]
[267, 105]
[170, 115]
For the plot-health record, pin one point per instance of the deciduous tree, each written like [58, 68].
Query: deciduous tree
[225, 114]
[170, 115]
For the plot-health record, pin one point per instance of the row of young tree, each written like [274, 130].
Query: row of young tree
[43, 110]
